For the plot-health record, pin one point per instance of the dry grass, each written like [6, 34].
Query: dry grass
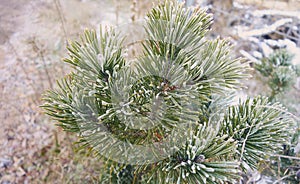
[274, 4]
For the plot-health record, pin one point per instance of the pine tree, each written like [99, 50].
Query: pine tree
[281, 75]
[279, 70]
[168, 116]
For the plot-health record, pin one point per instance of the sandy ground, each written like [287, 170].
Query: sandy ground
[32, 43]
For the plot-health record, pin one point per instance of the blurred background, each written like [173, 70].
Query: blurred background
[33, 39]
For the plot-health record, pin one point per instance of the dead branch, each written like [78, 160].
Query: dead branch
[266, 30]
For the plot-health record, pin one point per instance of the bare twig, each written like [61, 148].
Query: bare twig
[260, 13]
[284, 177]
[133, 10]
[117, 4]
[285, 156]
[62, 19]
[286, 35]
[278, 168]
[269, 29]
[41, 54]
[248, 56]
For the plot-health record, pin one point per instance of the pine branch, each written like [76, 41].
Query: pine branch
[279, 71]
[201, 160]
[261, 128]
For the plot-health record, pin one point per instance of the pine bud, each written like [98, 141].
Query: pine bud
[199, 158]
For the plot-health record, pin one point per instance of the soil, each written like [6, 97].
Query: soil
[32, 43]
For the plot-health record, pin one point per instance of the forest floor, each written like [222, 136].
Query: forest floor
[33, 36]
[32, 44]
